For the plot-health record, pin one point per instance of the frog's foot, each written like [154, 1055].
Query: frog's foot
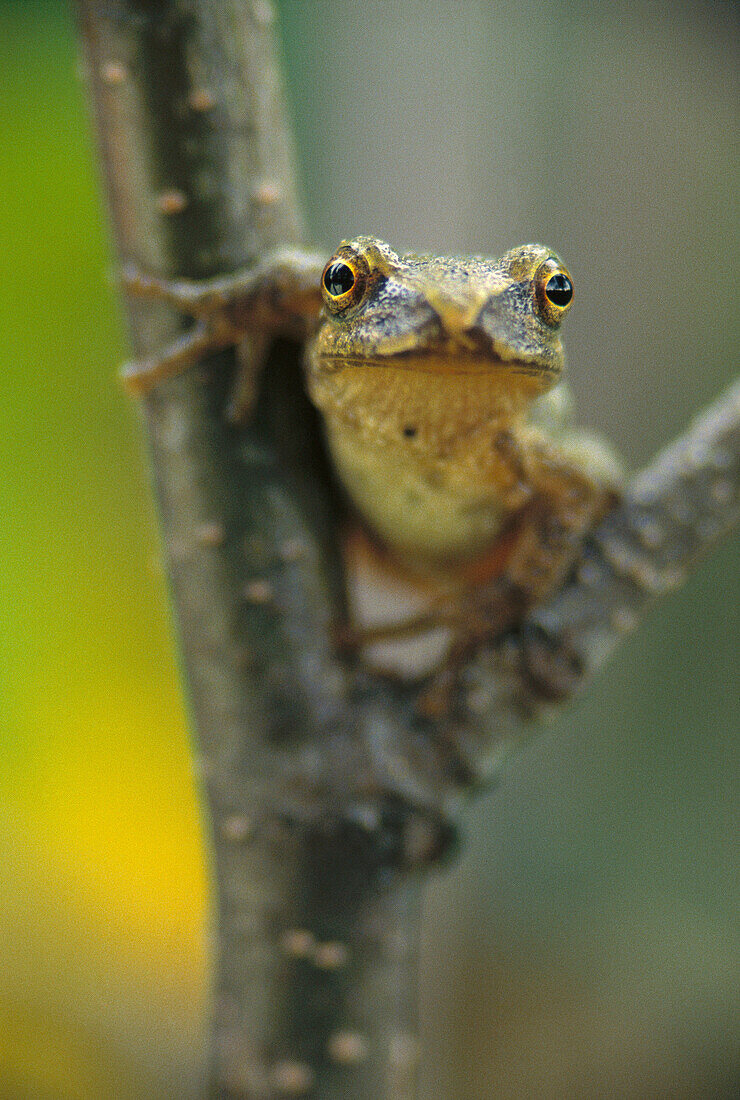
[196, 298]
[279, 296]
[206, 301]
[283, 290]
[141, 375]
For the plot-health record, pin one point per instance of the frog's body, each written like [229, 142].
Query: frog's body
[435, 378]
[442, 511]
[438, 381]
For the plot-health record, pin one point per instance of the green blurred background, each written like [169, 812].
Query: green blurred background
[586, 943]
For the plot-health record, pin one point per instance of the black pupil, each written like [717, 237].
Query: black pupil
[338, 278]
[559, 289]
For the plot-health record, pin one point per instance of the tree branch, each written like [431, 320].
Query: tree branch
[673, 512]
[327, 791]
[315, 938]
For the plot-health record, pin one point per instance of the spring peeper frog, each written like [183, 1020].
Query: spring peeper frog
[439, 385]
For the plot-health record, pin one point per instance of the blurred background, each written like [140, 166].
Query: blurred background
[586, 942]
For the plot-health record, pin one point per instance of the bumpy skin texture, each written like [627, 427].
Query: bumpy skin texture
[438, 383]
[417, 304]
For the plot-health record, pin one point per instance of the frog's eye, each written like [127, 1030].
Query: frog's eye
[559, 289]
[339, 279]
[342, 283]
[553, 290]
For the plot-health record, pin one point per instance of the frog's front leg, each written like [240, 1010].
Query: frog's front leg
[543, 540]
[280, 296]
[540, 546]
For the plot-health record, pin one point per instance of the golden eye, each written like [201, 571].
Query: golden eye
[345, 278]
[559, 289]
[342, 284]
[339, 278]
[553, 290]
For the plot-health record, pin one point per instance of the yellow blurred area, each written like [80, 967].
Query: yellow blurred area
[103, 900]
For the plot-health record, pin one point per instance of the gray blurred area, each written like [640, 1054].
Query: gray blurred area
[586, 943]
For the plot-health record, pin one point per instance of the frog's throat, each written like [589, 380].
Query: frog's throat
[431, 410]
[420, 511]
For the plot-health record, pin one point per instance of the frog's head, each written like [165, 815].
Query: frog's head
[446, 315]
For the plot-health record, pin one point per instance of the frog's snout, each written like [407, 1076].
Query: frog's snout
[457, 312]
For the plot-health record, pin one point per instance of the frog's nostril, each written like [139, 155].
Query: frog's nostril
[457, 313]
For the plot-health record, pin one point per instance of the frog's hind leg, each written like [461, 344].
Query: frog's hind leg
[396, 623]
[403, 630]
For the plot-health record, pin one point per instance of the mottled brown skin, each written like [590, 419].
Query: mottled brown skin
[438, 383]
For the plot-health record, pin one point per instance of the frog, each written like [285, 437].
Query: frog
[439, 381]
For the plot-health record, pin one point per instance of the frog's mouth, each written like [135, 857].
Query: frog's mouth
[440, 399]
[448, 362]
